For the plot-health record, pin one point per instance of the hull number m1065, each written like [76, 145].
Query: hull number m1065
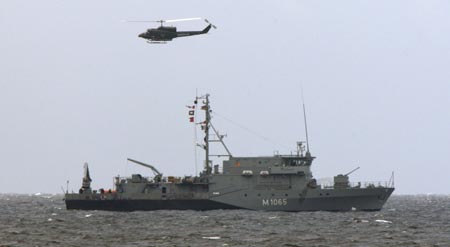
[274, 202]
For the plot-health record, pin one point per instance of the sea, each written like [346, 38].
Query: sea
[405, 220]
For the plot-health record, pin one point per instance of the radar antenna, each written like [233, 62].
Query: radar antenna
[300, 149]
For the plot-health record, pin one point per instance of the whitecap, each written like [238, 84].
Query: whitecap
[211, 238]
[54, 214]
[384, 221]
[50, 219]
[88, 215]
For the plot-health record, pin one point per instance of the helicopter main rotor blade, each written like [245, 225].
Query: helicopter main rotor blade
[162, 21]
[185, 19]
[141, 21]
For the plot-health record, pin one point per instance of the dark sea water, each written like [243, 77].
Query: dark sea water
[42, 220]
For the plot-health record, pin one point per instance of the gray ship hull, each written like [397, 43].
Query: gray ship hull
[367, 199]
[322, 200]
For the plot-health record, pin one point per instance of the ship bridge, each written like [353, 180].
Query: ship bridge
[290, 160]
[271, 165]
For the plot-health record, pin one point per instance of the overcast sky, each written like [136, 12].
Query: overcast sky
[77, 85]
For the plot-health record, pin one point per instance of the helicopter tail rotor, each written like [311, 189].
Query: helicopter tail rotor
[212, 25]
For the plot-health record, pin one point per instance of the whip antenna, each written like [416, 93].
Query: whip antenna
[306, 125]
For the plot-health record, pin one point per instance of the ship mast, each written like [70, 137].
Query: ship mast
[205, 127]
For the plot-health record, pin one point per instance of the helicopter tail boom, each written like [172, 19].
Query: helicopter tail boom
[206, 30]
[192, 33]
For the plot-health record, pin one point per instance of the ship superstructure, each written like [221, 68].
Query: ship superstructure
[276, 183]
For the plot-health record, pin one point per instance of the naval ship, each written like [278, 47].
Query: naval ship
[268, 183]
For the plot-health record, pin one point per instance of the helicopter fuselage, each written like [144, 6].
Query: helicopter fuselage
[164, 33]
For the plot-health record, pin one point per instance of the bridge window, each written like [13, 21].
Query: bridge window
[294, 162]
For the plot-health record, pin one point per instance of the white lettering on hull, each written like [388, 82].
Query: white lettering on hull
[274, 202]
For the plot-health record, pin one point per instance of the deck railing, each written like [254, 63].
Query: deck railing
[362, 185]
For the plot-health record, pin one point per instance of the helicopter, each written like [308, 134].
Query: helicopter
[162, 34]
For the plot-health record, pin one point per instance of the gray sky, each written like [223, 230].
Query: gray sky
[77, 84]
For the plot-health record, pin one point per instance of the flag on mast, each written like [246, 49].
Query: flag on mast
[191, 113]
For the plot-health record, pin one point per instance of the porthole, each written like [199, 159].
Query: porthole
[273, 194]
[245, 195]
[286, 194]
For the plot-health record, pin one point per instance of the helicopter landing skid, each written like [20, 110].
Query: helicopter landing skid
[157, 42]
